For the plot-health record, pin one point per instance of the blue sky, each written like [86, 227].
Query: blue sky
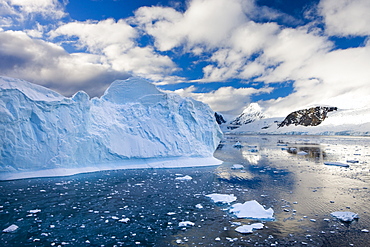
[283, 54]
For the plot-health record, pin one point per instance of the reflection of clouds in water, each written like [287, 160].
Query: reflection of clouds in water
[252, 157]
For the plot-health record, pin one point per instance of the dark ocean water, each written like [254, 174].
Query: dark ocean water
[144, 207]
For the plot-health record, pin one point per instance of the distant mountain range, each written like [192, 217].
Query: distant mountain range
[318, 120]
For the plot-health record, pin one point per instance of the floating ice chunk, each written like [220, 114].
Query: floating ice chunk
[237, 145]
[253, 150]
[302, 153]
[251, 209]
[237, 166]
[124, 220]
[249, 228]
[352, 161]
[199, 206]
[184, 178]
[365, 230]
[11, 228]
[336, 164]
[222, 198]
[34, 211]
[345, 216]
[186, 223]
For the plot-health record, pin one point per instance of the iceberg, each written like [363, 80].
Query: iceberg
[222, 198]
[249, 228]
[133, 124]
[345, 216]
[252, 210]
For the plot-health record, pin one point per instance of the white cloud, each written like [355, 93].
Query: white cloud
[115, 43]
[47, 8]
[345, 18]
[50, 65]
[227, 100]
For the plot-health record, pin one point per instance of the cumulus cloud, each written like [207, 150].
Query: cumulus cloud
[50, 65]
[345, 18]
[227, 100]
[115, 42]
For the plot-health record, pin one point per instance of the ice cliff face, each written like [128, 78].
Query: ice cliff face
[307, 117]
[41, 129]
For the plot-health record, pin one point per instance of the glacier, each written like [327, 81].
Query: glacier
[133, 124]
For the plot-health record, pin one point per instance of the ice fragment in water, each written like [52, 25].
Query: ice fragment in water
[345, 216]
[11, 228]
[249, 228]
[302, 153]
[186, 223]
[187, 177]
[237, 166]
[222, 198]
[251, 209]
[336, 164]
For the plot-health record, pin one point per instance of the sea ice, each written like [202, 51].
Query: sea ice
[253, 210]
[302, 153]
[11, 228]
[184, 178]
[222, 198]
[237, 166]
[186, 223]
[345, 216]
[336, 164]
[237, 145]
[249, 228]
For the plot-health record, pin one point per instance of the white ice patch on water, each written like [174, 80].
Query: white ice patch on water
[34, 211]
[186, 223]
[11, 228]
[249, 228]
[302, 153]
[237, 166]
[184, 178]
[345, 216]
[252, 210]
[222, 198]
[336, 164]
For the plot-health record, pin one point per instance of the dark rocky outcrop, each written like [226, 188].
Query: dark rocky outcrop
[307, 117]
[219, 118]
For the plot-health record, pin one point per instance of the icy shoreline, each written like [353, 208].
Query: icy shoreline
[177, 162]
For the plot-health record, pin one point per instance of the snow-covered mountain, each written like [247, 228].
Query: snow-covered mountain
[41, 129]
[320, 121]
[250, 114]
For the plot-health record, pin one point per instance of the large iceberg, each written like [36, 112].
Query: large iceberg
[133, 122]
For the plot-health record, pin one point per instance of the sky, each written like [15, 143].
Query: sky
[285, 55]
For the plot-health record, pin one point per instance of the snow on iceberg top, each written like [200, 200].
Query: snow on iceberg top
[130, 90]
[32, 91]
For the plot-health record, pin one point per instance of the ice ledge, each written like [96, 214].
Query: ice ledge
[178, 162]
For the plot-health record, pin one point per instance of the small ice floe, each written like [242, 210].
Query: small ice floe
[184, 178]
[336, 164]
[252, 210]
[302, 153]
[11, 228]
[365, 230]
[238, 145]
[237, 166]
[199, 206]
[34, 211]
[222, 198]
[253, 150]
[352, 161]
[345, 216]
[186, 223]
[124, 220]
[249, 228]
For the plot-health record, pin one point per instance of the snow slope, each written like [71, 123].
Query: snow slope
[41, 129]
[340, 122]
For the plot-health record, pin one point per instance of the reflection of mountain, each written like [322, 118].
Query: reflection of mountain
[313, 151]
